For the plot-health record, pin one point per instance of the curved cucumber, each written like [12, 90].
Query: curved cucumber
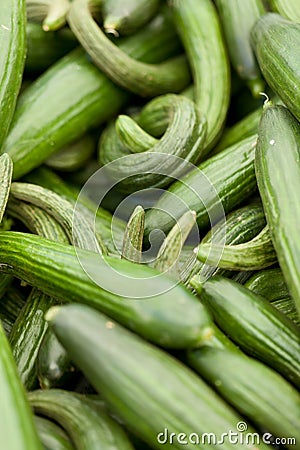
[200, 30]
[89, 427]
[237, 20]
[278, 179]
[183, 140]
[51, 435]
[275, 41]
[143, 79]
[12, 59]
[17, 429]
[73, 96]
[253, 324]
[287, 8]
[153, 393]
[173, 318]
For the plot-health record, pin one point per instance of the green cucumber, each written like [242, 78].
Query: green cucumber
[246, 127]
[237, 19]
[252, 255]
[45, 48]
[52, 13]
[240, 225]
[6, 169]
[12, 59]
[253, 389]
[207, 189]
[89, 427]
[253, 324]
[153, 393]
[26, 335]
[278, 179]
[275, 42]
[271, 284]
[51, 435]
[73, 96]
[200, 30]
[173, 318]
[183, 140]
[268, 283]
[10, 307]
[53, 365]
[143, 79]
[17, 429]
[126, 16]
[287, 8]
[73, 156]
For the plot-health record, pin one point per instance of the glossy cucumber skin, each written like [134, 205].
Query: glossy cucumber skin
[216, 190]
[147, 388]
[200, 30]
[88, 426]
[253, 324]
[268, 283]
[175, 318]
[275, 42]
[278, 178]
[73, 96]
[17, 429]
[12, 59]
[254, 389]
[45, 48]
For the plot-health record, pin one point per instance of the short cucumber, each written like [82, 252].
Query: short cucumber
[149, 390]
[45, 48]
[17, 428]
[173, 318]
[278, 178]
[200, 30]
[89, 427]
[126, 16]
[268, 283]
[51, 435]
[73, 96]
[12, 59]
[253, 389]
[254, 325]
[275, 42]
[207, 189]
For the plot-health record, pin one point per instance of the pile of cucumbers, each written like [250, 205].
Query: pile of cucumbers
[173, 320]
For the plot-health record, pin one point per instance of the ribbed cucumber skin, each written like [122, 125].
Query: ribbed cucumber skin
[268, 283]
[275, 42]
[287, 8]
[89, 427]
[254, 325]
[213, 185]
[200, 30]
[278, 178]
[148, 389]
[174, 318]
[12, 59]
[254, 389]
[73, 96]
[17, 429]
